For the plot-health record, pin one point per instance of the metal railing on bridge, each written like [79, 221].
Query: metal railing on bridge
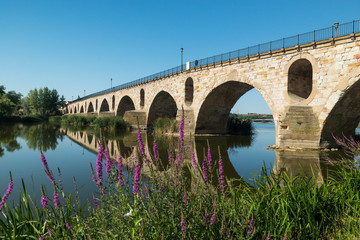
[334, 31]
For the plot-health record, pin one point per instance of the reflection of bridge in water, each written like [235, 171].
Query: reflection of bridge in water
[308, 163]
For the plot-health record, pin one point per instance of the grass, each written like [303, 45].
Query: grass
[165, 126]
[189, 199]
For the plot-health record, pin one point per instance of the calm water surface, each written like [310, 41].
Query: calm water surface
[71, 152]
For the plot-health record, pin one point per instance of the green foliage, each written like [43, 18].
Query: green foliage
[9, 102]
[43, 102]
[238, 125]
[165, 125]
[112, 122]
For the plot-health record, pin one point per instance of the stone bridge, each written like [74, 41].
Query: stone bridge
[313, 91]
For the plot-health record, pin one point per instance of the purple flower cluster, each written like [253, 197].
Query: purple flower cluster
[193, 159]
[96, 202]
[182, 224]
[7, 193]
[69, 226]
[185, 198]
[156, 152]
[44, 199]
[221, 176]
[137, 173]
[209, 157]
[251, 226]
[47, 170]
[205, 170]
[56, 199]
[205, 218]
[120, 171]
[212, 219]
[141, 143]
[107, 163]
[99, 166]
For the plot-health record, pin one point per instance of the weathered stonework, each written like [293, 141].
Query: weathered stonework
[304, 118]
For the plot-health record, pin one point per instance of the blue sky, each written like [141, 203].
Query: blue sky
[74, 45]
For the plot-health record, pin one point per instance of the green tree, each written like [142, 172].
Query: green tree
[9, 102]
[43, 101]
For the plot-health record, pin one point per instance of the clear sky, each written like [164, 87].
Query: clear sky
[74, 45]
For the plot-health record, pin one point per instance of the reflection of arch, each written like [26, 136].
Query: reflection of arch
[125, 104]
[163, 106]
[113, 102]
[214, 111]
[82, 109]
[142, 98]
[104, 106]
[189, 91]
[91, 108]
[300, 79]
[343, 117]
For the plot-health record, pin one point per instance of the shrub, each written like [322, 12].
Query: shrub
[165, 125]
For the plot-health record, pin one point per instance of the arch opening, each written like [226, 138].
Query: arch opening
[82, 109]
[189, 91]
[142, 98]
[75, 110]
[96, 105]
[163, 106]
[300, 80]
[215, 110]
[113, 102]
[104, 106]
[90, 108]
[126, 104]
[343, 118]
[71, 111]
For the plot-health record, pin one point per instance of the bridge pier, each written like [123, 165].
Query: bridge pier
[136, 118]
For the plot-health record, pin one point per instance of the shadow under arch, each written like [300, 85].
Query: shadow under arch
[163, 106]
[104, 107]
[343, 118]
[214, 111]
[126, 104]
[90, 108]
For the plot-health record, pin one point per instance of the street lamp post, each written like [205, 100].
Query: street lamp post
[181, 49]
[336, 25]
[111, 83]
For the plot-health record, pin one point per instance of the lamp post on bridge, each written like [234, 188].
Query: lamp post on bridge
[111, 83]
[181, 49]
[336, 25]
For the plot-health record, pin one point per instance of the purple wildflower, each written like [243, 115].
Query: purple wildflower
[44, 199]
[205, 218]
[49, 232]
[193, 159]
[221, 176]
[8, 192]
[141, 143]
[41, 237]
[99, 165]
[251, 226]
[182, 224]
[120, 171]
[56, 199]
[212, 219]
[181, 131]
[185, 198]
[156, 152]
[107, 163]
[268, 236]
[209, 157]
[47, 171]
[205, 170]
[285, 237]
[137, 177]
[69, 226]
[171, 158]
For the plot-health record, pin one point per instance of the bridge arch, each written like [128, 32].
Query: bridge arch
[82, 109]
[189, 91]
[104, 107]
[90, 108]
[113, 102]
[163, 106]
[344, 115]
[215, 109]
[126, 104]
[75, 110]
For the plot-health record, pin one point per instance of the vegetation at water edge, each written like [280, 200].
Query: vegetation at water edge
[190, 199]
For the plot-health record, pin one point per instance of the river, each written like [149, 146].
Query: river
[72, 151]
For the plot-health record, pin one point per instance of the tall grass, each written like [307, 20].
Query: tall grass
[138, 198]
[111, 122]
[165, 126]
[238, 125]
